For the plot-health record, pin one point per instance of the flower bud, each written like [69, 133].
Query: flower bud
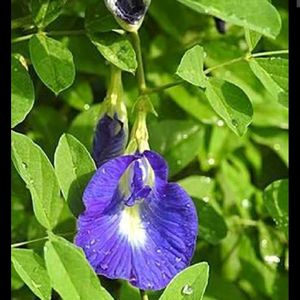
[128, 13]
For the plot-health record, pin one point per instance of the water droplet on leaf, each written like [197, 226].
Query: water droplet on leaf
[187, 290]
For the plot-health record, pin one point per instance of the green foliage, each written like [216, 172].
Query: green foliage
[36, 170]
[70, 273]
[53, 62]
[22, 92]
[31, 269]
[222, 126]
[74, 168]
[188, 284]
[191, 66]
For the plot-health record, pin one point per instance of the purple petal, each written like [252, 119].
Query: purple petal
[146, 244]
[110, 139]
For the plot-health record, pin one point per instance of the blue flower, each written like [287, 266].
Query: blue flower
[110, 139]
[136, 226]
[128, 13]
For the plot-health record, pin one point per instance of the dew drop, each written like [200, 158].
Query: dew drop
[234, 122]
[92, 242]
[24, 165]
[157, 263]
[158, 250]
[211, 161]
[178, 259]
[149, 286]
[132, 279]
[220, 123]
[86, 107]
[188, 205]
[104, 266]
[187, 290]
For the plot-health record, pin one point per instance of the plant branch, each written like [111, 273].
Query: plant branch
[140, 69]
[22, 38]
[269, 53]
[163, 87]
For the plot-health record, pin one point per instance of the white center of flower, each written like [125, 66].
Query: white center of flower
[132, 227]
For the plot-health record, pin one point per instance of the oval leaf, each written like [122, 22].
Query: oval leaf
[273, 73]
[52, 61]
[46, 11]
[36, 170]
[188, 284]
[265, 20]
[117, 49]
[276, 200]
[231, 103]
[190, 68]
[70, 273]
[74, 167]
[22, 91]
[31, 269]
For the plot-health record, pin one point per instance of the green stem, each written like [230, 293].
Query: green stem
[163, 87]
[38, 240]
[144, 295]
[28, 242]
[140, 70]
[269, 53]
[22, 38]
[66, 32]
[227, 63]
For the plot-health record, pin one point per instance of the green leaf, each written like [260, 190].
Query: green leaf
[36, 170]
[198, 186]
[31, 269]
[16, 280]
[99, 19]
[117, 49]
[212, 226]
[194, 102]
[179, 143]
[276, 197]
[83, 126]
[46, 11]
[231, 103]
[70, 273]
[52, 61]
[252, 38]
[273, 73]
[79, 96]
[269, 245]
[74, 167]
[190, 68]
[264, 20]
[188, 284]
[22, 91]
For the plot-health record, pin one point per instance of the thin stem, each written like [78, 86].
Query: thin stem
[270, 53]
[22, 38]
[163, 87]
[28, 242]
[140, 70]
[227, 63]
[66, 32]
[38, 240]
[144, 295]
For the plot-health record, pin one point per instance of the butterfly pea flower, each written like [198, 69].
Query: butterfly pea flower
[136, 225]
[111, 133]
[128, 13]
